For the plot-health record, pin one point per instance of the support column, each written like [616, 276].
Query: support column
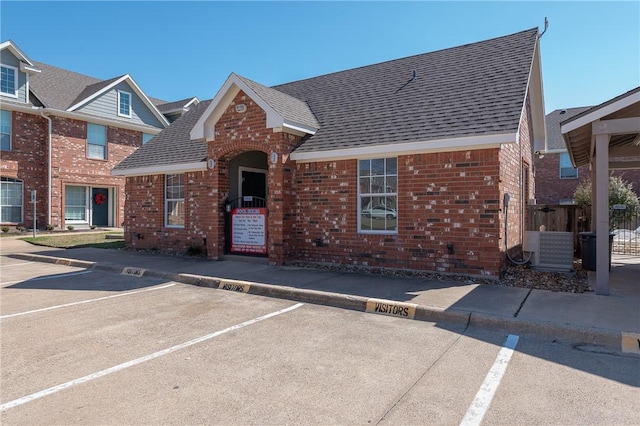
[602, 214]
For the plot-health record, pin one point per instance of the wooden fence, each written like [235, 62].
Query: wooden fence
[560, 218]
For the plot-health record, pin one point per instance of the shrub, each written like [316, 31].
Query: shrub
[5, 229]
[70, 227]
[50, 227]
[21, 229]
[620, 192]
[93, 226]
[195, 251]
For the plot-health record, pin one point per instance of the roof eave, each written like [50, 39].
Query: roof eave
[408, 148]
[162, 169]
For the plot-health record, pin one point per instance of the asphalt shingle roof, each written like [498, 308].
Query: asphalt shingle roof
[470, 90]
[286, 105]
[165, 107]
[553, 120]
[58, 88]
[172, 145]
[467, 90]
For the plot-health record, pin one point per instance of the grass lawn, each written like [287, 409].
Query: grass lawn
[71, 240]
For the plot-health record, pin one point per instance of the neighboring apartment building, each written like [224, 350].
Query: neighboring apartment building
[556, 178]
[62, 133]
[411, 163]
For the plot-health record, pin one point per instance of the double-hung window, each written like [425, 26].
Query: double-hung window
[10, 200]
[174, 201]
[124, 104]
[9, 81]
[566, 169]
[96, 141]
[378, 195]
[5, 130]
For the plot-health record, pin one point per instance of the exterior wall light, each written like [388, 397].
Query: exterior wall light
[274, 157]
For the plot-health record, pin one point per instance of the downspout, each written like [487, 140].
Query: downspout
[50, 131]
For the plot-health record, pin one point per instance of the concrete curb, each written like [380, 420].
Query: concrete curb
[564, 332]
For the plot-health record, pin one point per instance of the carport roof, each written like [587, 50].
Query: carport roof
[577, 131]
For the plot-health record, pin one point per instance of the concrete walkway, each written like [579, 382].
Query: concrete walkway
[612, 321]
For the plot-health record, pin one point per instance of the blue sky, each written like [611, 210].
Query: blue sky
[174, 50]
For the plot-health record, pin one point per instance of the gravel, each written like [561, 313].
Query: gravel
[523, 276]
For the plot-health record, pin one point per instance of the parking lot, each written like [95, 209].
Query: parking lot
[88, 347]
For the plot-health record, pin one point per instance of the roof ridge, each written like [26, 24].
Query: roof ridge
[404, 58]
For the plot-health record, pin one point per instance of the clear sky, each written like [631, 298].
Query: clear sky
[174, 50]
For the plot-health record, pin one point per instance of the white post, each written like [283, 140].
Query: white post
[602, 214]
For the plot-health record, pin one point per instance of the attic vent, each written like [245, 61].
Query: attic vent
[564, 111]
[241, 108]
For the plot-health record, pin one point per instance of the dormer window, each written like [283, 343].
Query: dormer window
[9, 81]
[124, 104]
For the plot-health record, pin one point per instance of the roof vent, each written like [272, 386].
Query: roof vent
[564, 111]
[241, 108]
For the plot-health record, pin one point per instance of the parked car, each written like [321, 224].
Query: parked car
[380, 212]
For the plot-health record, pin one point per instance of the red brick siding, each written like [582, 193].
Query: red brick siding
[550, 189]
[27, 161]
[29, 157]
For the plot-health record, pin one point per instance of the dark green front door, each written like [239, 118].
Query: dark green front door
[100, 201]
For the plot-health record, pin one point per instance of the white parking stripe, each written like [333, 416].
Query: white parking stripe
[483, 398]
[137, 361]
[86, 301]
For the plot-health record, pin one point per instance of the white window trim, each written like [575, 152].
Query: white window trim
[120, 92]
[15, 82]
[166, 202]
[371, 231]
[10, 130]
[16, 181]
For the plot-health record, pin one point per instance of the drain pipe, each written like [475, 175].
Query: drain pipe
[50, 130]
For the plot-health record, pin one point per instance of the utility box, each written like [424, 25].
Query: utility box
[588, 248]
[549, 250]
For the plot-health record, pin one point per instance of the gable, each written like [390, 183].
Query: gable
[8, 59]
[106, 105]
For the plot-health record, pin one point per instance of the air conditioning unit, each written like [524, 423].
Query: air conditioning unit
[550, 250]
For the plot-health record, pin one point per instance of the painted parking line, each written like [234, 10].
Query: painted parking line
[140, 360]
[483, 398]
[86, 301]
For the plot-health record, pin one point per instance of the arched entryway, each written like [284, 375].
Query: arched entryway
[245, 207]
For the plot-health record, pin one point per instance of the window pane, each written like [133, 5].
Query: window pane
[96, 134]
[5, 130]
[125, 103]
[392, 184]
[75, 202]
[392, 166]
[175, 213]
[377, 167]
[8, 80]
[365, 216]
[365, 185]
[96, 151]
[11, 200]
[365, 167]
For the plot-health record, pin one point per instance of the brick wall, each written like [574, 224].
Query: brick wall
[27, 161]
[550, 188]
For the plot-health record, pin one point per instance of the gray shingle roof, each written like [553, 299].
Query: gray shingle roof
[553, 120]
[58, 88]
[165, 107]
[286, 105]
[475, 89]
[470, 90]
[93, 88]
[172, 145]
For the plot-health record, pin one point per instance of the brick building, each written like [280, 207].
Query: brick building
[556, 178]
[62, 133]
[411, 163]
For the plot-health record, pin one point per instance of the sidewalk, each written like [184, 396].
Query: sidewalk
[612, 321]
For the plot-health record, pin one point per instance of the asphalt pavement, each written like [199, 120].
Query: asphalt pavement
[612, 321]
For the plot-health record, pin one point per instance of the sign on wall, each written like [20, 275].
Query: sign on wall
[249, 230]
